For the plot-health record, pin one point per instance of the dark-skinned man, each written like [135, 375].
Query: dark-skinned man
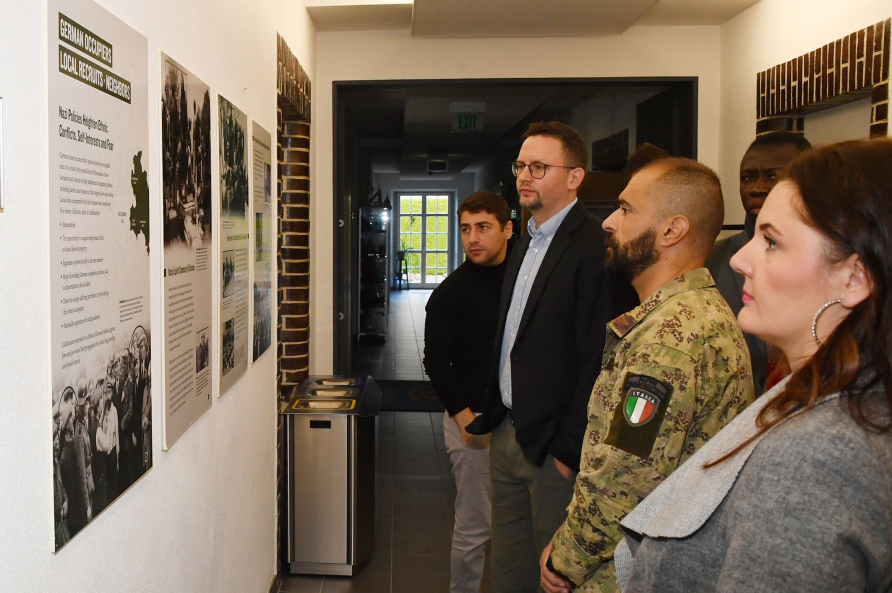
[761, 168]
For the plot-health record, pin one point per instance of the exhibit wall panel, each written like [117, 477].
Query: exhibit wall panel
[396, 55]
[203, 518]
[769, 33]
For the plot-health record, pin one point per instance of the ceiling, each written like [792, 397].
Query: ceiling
[401, 126]
[517, 18]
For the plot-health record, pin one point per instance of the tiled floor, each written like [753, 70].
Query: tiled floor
[415, 512]
[399, 356]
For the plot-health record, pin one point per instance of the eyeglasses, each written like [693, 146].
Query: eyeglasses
[537, 170]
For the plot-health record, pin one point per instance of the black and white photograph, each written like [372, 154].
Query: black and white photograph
[186, 152]
[186, 146]
[228, 345]
[233, 160]
[98, 181]
[227, 284]
[236, 227]
[202, 349]
[102, 427]
[263, 224]
[262, 321]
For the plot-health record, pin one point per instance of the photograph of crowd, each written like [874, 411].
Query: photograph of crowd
[228, 284]
[233, 164]
[228, 345]
[102, 436]
[202, 349]
[262, 321]
[186, 151]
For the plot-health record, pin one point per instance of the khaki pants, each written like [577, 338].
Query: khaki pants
[473, 505]
[529, 503]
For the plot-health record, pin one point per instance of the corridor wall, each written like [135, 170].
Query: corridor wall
[203, 518]
[396, 55]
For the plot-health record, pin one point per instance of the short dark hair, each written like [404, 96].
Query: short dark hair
[692, 189]
[646, 154]
[797, 141]
[486, 201]
[575, 150]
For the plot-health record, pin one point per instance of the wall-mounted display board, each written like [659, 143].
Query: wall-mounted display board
[234, 243]
[99, 260]
[263, 220]
[188, 296]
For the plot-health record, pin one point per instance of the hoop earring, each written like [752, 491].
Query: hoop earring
[814, 324]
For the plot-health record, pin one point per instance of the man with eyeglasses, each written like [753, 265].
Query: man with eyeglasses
[556, 301]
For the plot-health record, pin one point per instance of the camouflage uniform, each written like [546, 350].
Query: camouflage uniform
[675, 371]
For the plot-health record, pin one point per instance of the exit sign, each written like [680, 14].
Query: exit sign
[467, 122]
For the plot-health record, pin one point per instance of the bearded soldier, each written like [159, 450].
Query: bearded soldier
[676, 368]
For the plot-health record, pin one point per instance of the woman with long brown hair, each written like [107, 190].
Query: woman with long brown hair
[796, 493]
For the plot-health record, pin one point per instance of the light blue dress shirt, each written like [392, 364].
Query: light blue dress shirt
[540, 239]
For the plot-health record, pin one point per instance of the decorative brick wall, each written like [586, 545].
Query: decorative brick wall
[293, 259]
[293, 252]
[848, 69]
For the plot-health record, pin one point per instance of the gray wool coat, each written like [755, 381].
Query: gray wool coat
[806, 508]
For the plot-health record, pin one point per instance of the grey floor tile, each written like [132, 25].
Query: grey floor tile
[420, 527]
[425, 507]
[411, 418]
[436, 542]
[426, 451]
[420, 429]
[416, 466]
[362, 582]
[417, 583]
[401, 498]
[380, 562]
[422, 483]
[426, 564]
[301, 584]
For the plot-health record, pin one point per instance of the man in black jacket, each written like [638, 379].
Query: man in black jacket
[556, 302]
[459, 340]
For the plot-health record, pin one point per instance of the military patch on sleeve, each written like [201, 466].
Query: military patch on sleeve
[637, 419]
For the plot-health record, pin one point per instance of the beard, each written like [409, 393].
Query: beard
[634, 257]
[533, 204]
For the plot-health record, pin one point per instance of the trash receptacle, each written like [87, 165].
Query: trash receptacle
[331, 438]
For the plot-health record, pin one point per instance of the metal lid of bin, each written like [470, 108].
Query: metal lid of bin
[334, 394]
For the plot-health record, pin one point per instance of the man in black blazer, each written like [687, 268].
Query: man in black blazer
[556, 301]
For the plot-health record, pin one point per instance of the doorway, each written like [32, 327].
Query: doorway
[397, 143]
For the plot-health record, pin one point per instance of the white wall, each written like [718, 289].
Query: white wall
[203, 519]
[771, 32]
[843, 122]
[395, 55]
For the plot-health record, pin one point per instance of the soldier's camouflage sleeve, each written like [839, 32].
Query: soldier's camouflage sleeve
[648, 414]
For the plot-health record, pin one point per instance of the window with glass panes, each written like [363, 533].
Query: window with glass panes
[424, 236]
